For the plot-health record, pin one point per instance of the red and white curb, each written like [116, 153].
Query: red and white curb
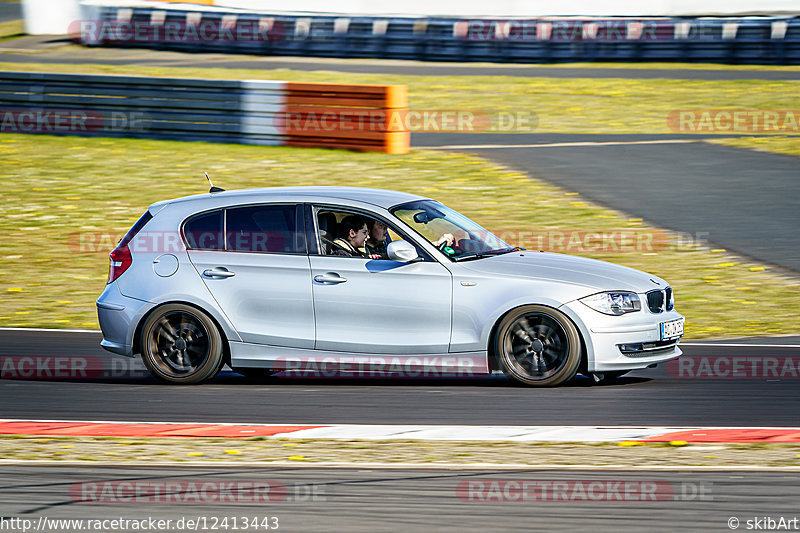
[403, 432]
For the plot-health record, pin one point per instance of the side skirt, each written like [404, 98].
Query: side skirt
[248, 355]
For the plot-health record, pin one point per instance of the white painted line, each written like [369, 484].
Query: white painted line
[482, 433]
[552, 145]
[53, 329]
[400, 466]
[741, 345]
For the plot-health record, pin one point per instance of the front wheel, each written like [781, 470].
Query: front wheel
[538, 346]
[181, 344]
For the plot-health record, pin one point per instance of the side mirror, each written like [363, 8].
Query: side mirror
[422, 217]
[402, 251]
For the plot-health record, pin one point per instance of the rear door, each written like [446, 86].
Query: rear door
[253, 259]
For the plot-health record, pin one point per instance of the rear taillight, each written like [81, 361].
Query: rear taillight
[121, 255]
[120, 261]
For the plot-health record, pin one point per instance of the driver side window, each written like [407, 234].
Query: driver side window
[339, 234]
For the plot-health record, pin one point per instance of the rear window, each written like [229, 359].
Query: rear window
[263, 228]
[204, 232]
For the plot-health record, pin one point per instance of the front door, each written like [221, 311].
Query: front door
[379, 306]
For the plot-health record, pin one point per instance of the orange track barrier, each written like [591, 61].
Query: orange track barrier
[355, 117]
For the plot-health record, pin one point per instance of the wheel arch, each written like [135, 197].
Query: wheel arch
[137, 335]
[493, 356]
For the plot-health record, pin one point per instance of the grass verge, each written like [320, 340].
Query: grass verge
[66, 200]
[267, 449]
[777, 145]
[11, 30]
[580, 105]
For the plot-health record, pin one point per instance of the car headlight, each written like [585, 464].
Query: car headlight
[613, 303]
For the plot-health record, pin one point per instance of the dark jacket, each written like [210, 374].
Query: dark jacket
[378, 249]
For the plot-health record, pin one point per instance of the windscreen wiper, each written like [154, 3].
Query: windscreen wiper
[486, 253]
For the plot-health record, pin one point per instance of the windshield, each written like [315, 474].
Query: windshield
[450, 231]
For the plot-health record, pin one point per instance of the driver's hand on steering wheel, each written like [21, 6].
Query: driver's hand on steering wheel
[446, 239]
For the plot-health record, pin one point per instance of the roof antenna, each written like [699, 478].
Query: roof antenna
[213, 189]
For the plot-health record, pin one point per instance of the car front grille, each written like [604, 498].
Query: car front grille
[655, 301]
[659, 301]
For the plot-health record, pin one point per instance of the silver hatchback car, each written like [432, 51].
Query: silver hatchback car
[367, 280]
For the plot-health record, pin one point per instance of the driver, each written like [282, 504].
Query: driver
[376, 241]
[445, 241]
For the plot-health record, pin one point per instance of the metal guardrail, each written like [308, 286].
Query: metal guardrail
[231, 111]
[746, 40]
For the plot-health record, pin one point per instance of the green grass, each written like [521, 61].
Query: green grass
[56, 189]
[11, 30]
[581, 105]
[777, 145]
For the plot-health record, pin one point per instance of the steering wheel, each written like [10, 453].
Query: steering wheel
[446, 248]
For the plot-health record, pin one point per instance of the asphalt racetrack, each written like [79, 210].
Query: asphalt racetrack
[662, 396]
[368, 500]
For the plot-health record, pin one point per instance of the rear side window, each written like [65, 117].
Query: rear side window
[263, 228]
[204, 232]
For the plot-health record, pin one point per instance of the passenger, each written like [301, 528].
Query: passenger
[376, 241]
[352, 235]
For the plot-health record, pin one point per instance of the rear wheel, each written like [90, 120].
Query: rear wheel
[538, 345]
[181, 344]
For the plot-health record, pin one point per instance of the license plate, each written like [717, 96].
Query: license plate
[672, 329]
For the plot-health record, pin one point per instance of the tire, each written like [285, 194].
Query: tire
[181, 344]
[538, 346]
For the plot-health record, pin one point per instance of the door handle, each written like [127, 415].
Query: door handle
[218, 272]
[329, 277]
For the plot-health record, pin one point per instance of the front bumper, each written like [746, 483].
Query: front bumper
[118, 316]
[626, 342]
